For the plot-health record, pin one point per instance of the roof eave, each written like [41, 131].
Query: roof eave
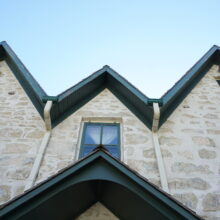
[26, 80]
[68, 101]
[157, 193]
[174, 96]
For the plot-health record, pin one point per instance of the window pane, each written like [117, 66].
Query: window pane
[113, 150]
[110, 135]
[88, 149]
[92, 134]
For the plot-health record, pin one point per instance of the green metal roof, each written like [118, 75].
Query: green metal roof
[97, 177]
[75, 97]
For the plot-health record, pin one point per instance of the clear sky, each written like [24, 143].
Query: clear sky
[151, 43]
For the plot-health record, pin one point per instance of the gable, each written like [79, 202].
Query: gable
[21, 132]
[98, 177]
[191, 135]
[75, 97]
[72, 99]
[26, 80]
[104, 108]
[15, 100]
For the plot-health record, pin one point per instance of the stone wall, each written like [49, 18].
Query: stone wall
[136, 144]
[190, 138]
[21, 131]
[97, 212]
[189, 142]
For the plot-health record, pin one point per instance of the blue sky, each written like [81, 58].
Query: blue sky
[150, 43]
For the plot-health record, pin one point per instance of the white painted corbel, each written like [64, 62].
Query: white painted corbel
[160, 162]
[40, 154]
[156, 117]
[47, 118]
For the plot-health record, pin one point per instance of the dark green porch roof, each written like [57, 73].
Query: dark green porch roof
[75, 97]
[97, 177]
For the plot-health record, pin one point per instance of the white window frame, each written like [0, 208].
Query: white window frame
[100, 120]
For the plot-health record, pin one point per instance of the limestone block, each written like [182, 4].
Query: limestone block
[169, 141]
[189, 168]
[211, 116]
[15, 160]
[194, 122]
[210, 217]
[203, 97]
[190, 116]
[207, 154]
[16, 148]
[210, 124]
[5, 193]
[191, 131]
[203, 141]
[18, 174]
[11, 132]
[166, 153]
[22, 103]
[35, 134]
[185, 154]
[63, 164]
[19, 190]
[150, 153]
[135, 139]
[155, 181]
[130, 121]
[98, 212]
[166, 130]
[129, 151]
[143, 166]
[211, 202]
[212, 131]
[191, 183]
[188, 199]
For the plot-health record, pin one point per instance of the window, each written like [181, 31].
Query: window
[105, 134]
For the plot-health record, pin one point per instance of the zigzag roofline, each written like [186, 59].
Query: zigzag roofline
[76, 96]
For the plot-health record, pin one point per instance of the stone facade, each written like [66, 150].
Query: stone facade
[189, 142]
[98, 212]
[21, 132]
[191, 136]
[136, 138]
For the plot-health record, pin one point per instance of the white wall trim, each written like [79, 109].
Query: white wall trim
[40, 154]
[160, 162]
[35, 169]
[80, 132]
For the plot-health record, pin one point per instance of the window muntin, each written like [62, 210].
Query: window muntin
[107, 134]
